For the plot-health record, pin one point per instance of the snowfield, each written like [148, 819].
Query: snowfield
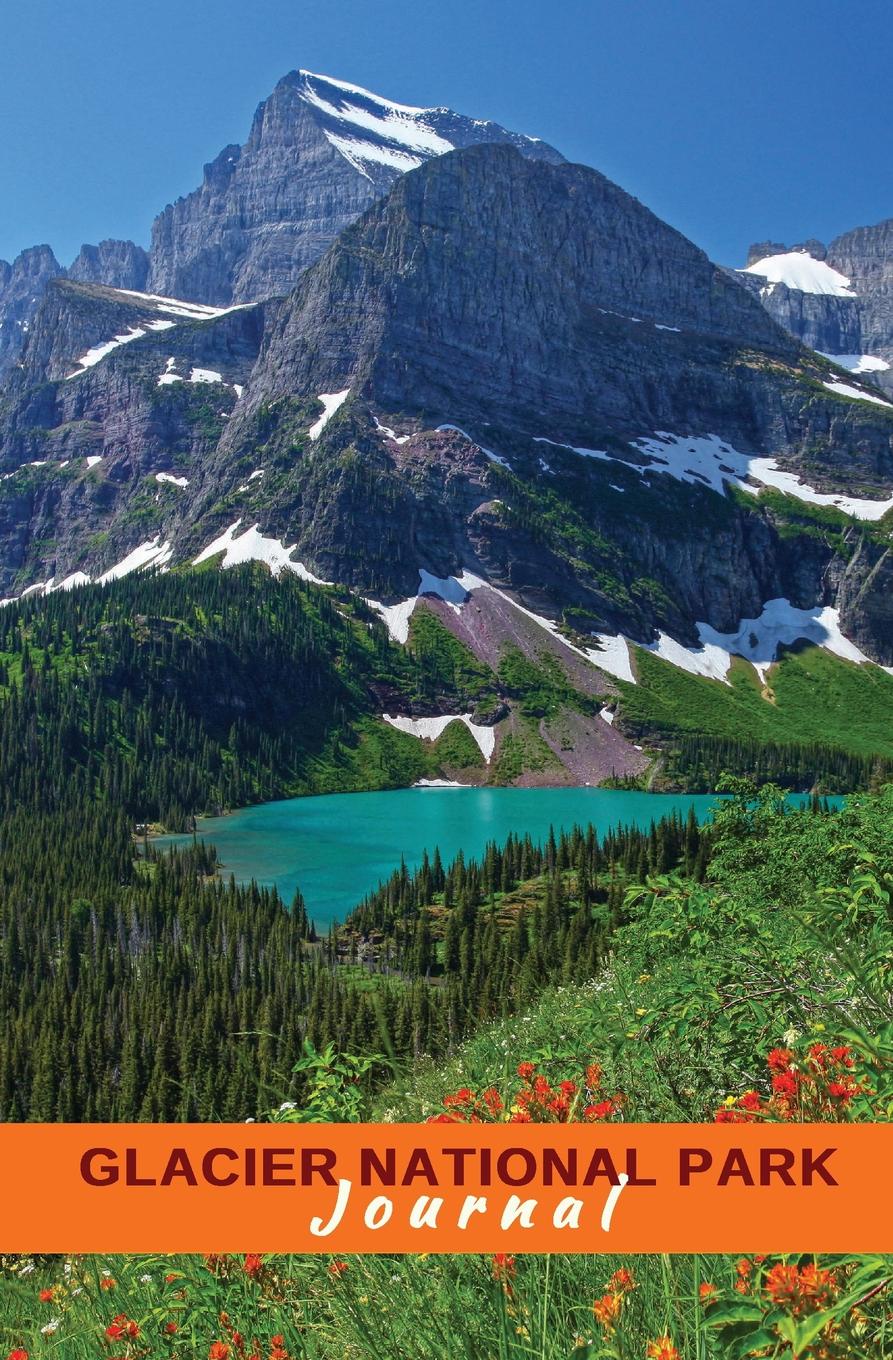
[845, 390]
[799, 270]
[709, 461]
[331, 401]
[183, 311]
[858, 363]
[429, 729]
[99, 352]
[252, 546]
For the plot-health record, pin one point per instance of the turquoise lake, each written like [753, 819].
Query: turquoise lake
[338, 847]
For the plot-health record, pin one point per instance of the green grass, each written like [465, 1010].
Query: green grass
[817, 698]
[788, 941]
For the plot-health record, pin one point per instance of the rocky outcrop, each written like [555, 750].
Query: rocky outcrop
[22, 286]
[119, 264]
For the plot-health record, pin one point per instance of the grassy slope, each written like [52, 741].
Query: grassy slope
[814, 697]
[678, 1020]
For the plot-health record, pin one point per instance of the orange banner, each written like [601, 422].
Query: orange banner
[445, 1188]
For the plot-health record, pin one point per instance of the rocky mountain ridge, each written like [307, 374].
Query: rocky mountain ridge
[507, 395]
[319, 152]
[438, 395]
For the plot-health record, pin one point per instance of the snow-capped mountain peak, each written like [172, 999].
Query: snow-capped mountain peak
[378, 136]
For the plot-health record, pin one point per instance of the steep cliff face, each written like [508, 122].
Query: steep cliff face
[22, 286]
[838, 299]
[558, 349]
[319, 153]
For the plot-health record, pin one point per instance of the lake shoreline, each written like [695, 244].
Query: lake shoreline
[336, 853]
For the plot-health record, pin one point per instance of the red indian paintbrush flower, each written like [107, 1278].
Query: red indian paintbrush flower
[662, 1349]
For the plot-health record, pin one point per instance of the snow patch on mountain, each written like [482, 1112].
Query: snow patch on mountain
[779, 624]
[152, 553]
[361, 154]
[707, 460]
[253, 546]
[799, 270]
[331, 402]
[356, 108]
[757, 640]
[846, 390]
[169, 477]
[391, 434]
[429, 729]
[488, 453]
[99, 352]
[189, 311]
[858, 363]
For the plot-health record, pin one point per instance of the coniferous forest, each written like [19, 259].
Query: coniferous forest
[139, 985]
[136, 985]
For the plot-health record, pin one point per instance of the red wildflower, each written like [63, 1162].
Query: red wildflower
[107, 1282]
[254, 1264]
[17, 1354]
[503, 1265]
[337, 1268]
[801, 1291]
[219, 1351]
[47, 1295]
[779, 1059]
[171, 1279]
[593, 1076]
[121, 1326]
[526, 1070]
[607, 1310]
[622, 1281]
[603, 1110]
[785, 1084]
[662, 1349]
[461, 1097]
[493, 1100]
[707, 1293]
[171, 1328]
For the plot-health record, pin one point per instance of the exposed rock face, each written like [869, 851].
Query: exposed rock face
[861, 325]
[119, 264]
[592, 324]
[22, 285]
[517, 299]
[319, 153]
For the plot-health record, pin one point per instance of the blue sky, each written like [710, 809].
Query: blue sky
[733, 121]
